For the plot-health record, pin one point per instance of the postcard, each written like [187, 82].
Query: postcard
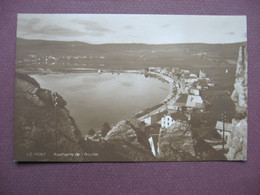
[130, 88]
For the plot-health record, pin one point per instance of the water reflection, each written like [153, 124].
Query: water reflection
[95, 98]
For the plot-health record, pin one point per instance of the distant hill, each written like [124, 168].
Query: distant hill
[130, 55]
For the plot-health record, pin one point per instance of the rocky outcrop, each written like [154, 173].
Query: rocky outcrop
[129, 143]
[237, 143]
[43, 132]
[176, 143]
[239, 95]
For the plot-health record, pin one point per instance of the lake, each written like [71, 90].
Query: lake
[93, 98]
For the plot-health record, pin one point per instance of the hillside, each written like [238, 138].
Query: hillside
[126, 56]
[41, 129]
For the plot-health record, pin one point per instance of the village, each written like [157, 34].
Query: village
[183, 100]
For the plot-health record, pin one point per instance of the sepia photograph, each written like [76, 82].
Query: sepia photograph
[130, 88]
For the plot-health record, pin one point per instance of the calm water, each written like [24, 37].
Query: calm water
[96, 98]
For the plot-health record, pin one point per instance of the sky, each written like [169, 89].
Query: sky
[118, 28]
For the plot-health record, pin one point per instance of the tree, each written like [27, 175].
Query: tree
[91, 132]
[105, 128]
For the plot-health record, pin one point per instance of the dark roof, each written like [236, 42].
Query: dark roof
[159, 114]
[182, 98]
[179, 116]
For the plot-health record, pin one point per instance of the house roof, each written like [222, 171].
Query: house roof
[219, 125]
[179, 116]
[182, 98]
[194, 101]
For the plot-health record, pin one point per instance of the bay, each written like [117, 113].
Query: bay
[93, 98]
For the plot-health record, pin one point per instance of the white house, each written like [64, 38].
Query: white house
[148, 120]
[167, 121]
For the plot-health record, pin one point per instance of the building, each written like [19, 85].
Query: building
[227, 128]
[194, 101]
[172, 106]
[154, 69]
[167, 121]
[194, 92]
[178, 116]
[189, 101]
[164, 71]
[202, 74]
[181, 102]
[193, 75]
[152, 119]
[185, 71]
[191, 80]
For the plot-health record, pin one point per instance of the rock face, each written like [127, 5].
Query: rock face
[239, 95]
[45, 132]
[41, 129]
[176, 143]
[129, 143]
[238, 140]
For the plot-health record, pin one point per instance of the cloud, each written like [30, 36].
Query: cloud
[27, 25]
[92, 26]
[34, 26]
[54, 30]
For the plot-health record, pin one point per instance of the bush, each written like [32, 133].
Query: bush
[91, 132]
[105, 129]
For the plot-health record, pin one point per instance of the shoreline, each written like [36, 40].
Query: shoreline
[139, 72]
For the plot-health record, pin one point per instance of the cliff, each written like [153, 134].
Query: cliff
[237, 142]
[176, 143]
[130, 142]
[41, 129]
[239, 95]
[123, 142]
[45, 132]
